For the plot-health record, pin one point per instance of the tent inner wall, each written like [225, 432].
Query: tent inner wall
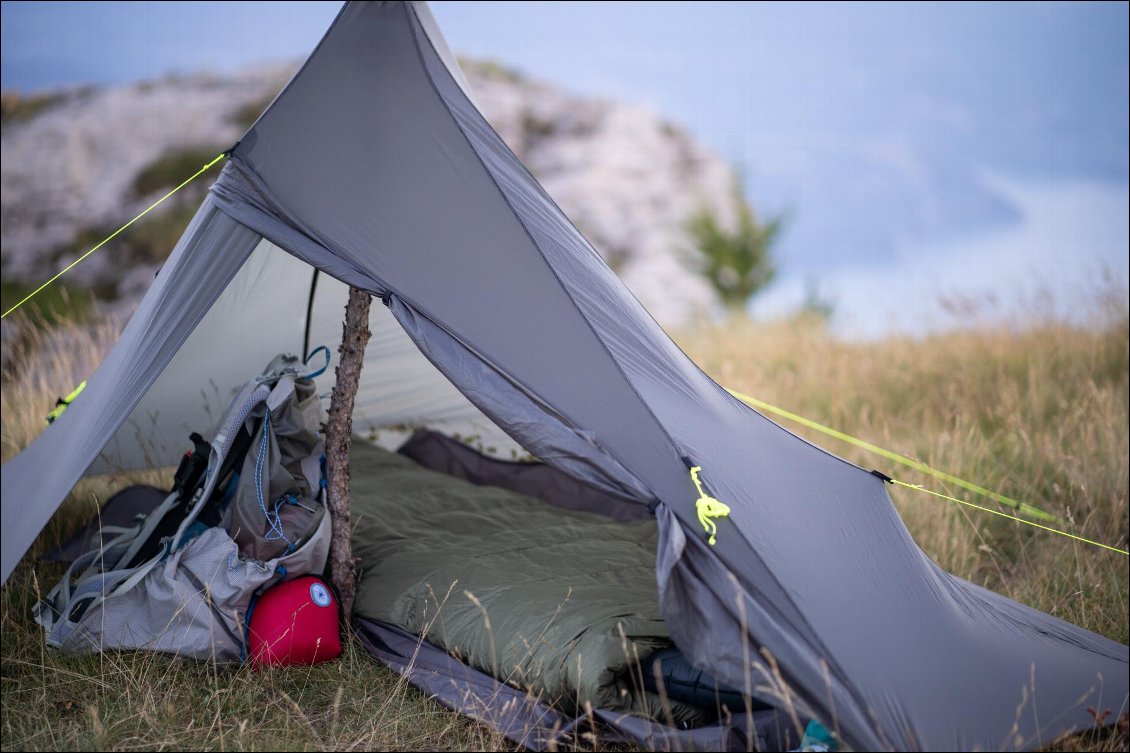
[263, 313]
[212, 251]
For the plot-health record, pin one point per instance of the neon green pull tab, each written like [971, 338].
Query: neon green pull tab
[62, 403]
[708, 508]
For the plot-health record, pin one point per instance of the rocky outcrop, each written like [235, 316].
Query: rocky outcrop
[627, 177]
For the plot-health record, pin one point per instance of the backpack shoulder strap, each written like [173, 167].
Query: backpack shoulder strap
[100, 561]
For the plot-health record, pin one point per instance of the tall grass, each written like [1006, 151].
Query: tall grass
[1039, 413]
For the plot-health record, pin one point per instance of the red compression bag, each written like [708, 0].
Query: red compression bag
[294, 622]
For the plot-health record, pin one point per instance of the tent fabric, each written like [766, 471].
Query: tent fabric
[399, 387]
[35, 482]
[436, 451]
[374, 166]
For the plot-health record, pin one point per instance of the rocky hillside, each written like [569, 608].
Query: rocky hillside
[76, 164]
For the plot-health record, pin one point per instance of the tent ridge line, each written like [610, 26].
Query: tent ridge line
[416, 26]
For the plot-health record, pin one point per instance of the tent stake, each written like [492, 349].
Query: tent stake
[339, 431]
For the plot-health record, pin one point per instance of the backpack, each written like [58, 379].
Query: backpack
[246, 510]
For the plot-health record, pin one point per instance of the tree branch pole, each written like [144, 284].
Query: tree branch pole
[339, 432]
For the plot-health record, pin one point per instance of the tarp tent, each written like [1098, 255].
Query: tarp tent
[374, 166]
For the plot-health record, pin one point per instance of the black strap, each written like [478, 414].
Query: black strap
[309, 315]
[212, 511]
[192, 466]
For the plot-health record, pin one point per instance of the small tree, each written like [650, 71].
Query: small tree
[735, 262]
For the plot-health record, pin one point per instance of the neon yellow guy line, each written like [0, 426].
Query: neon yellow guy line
[35, 292]
[1023, 507]
[1006, 515]
[1030, 510]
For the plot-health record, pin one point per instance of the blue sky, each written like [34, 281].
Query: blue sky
[920, 150]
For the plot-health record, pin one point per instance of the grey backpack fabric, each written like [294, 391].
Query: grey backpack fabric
[191, 598]
[279, 493]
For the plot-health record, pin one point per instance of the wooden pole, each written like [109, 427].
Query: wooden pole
[339, 431]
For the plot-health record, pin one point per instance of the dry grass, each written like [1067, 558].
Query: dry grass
[1039, 414]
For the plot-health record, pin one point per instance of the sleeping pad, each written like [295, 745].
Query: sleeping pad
[560, 603]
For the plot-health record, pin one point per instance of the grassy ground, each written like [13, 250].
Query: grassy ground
[1039, 414]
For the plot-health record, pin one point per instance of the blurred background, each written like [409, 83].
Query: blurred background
[890, 168]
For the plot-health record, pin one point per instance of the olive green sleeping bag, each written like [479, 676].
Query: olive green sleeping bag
[563, 604]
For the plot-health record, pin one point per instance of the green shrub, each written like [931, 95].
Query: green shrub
[173, 168]
[736, 263]
[150, 240]
[17, 108]
[245, 115]
[491, 69]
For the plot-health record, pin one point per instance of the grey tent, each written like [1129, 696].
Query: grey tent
[374, 166]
